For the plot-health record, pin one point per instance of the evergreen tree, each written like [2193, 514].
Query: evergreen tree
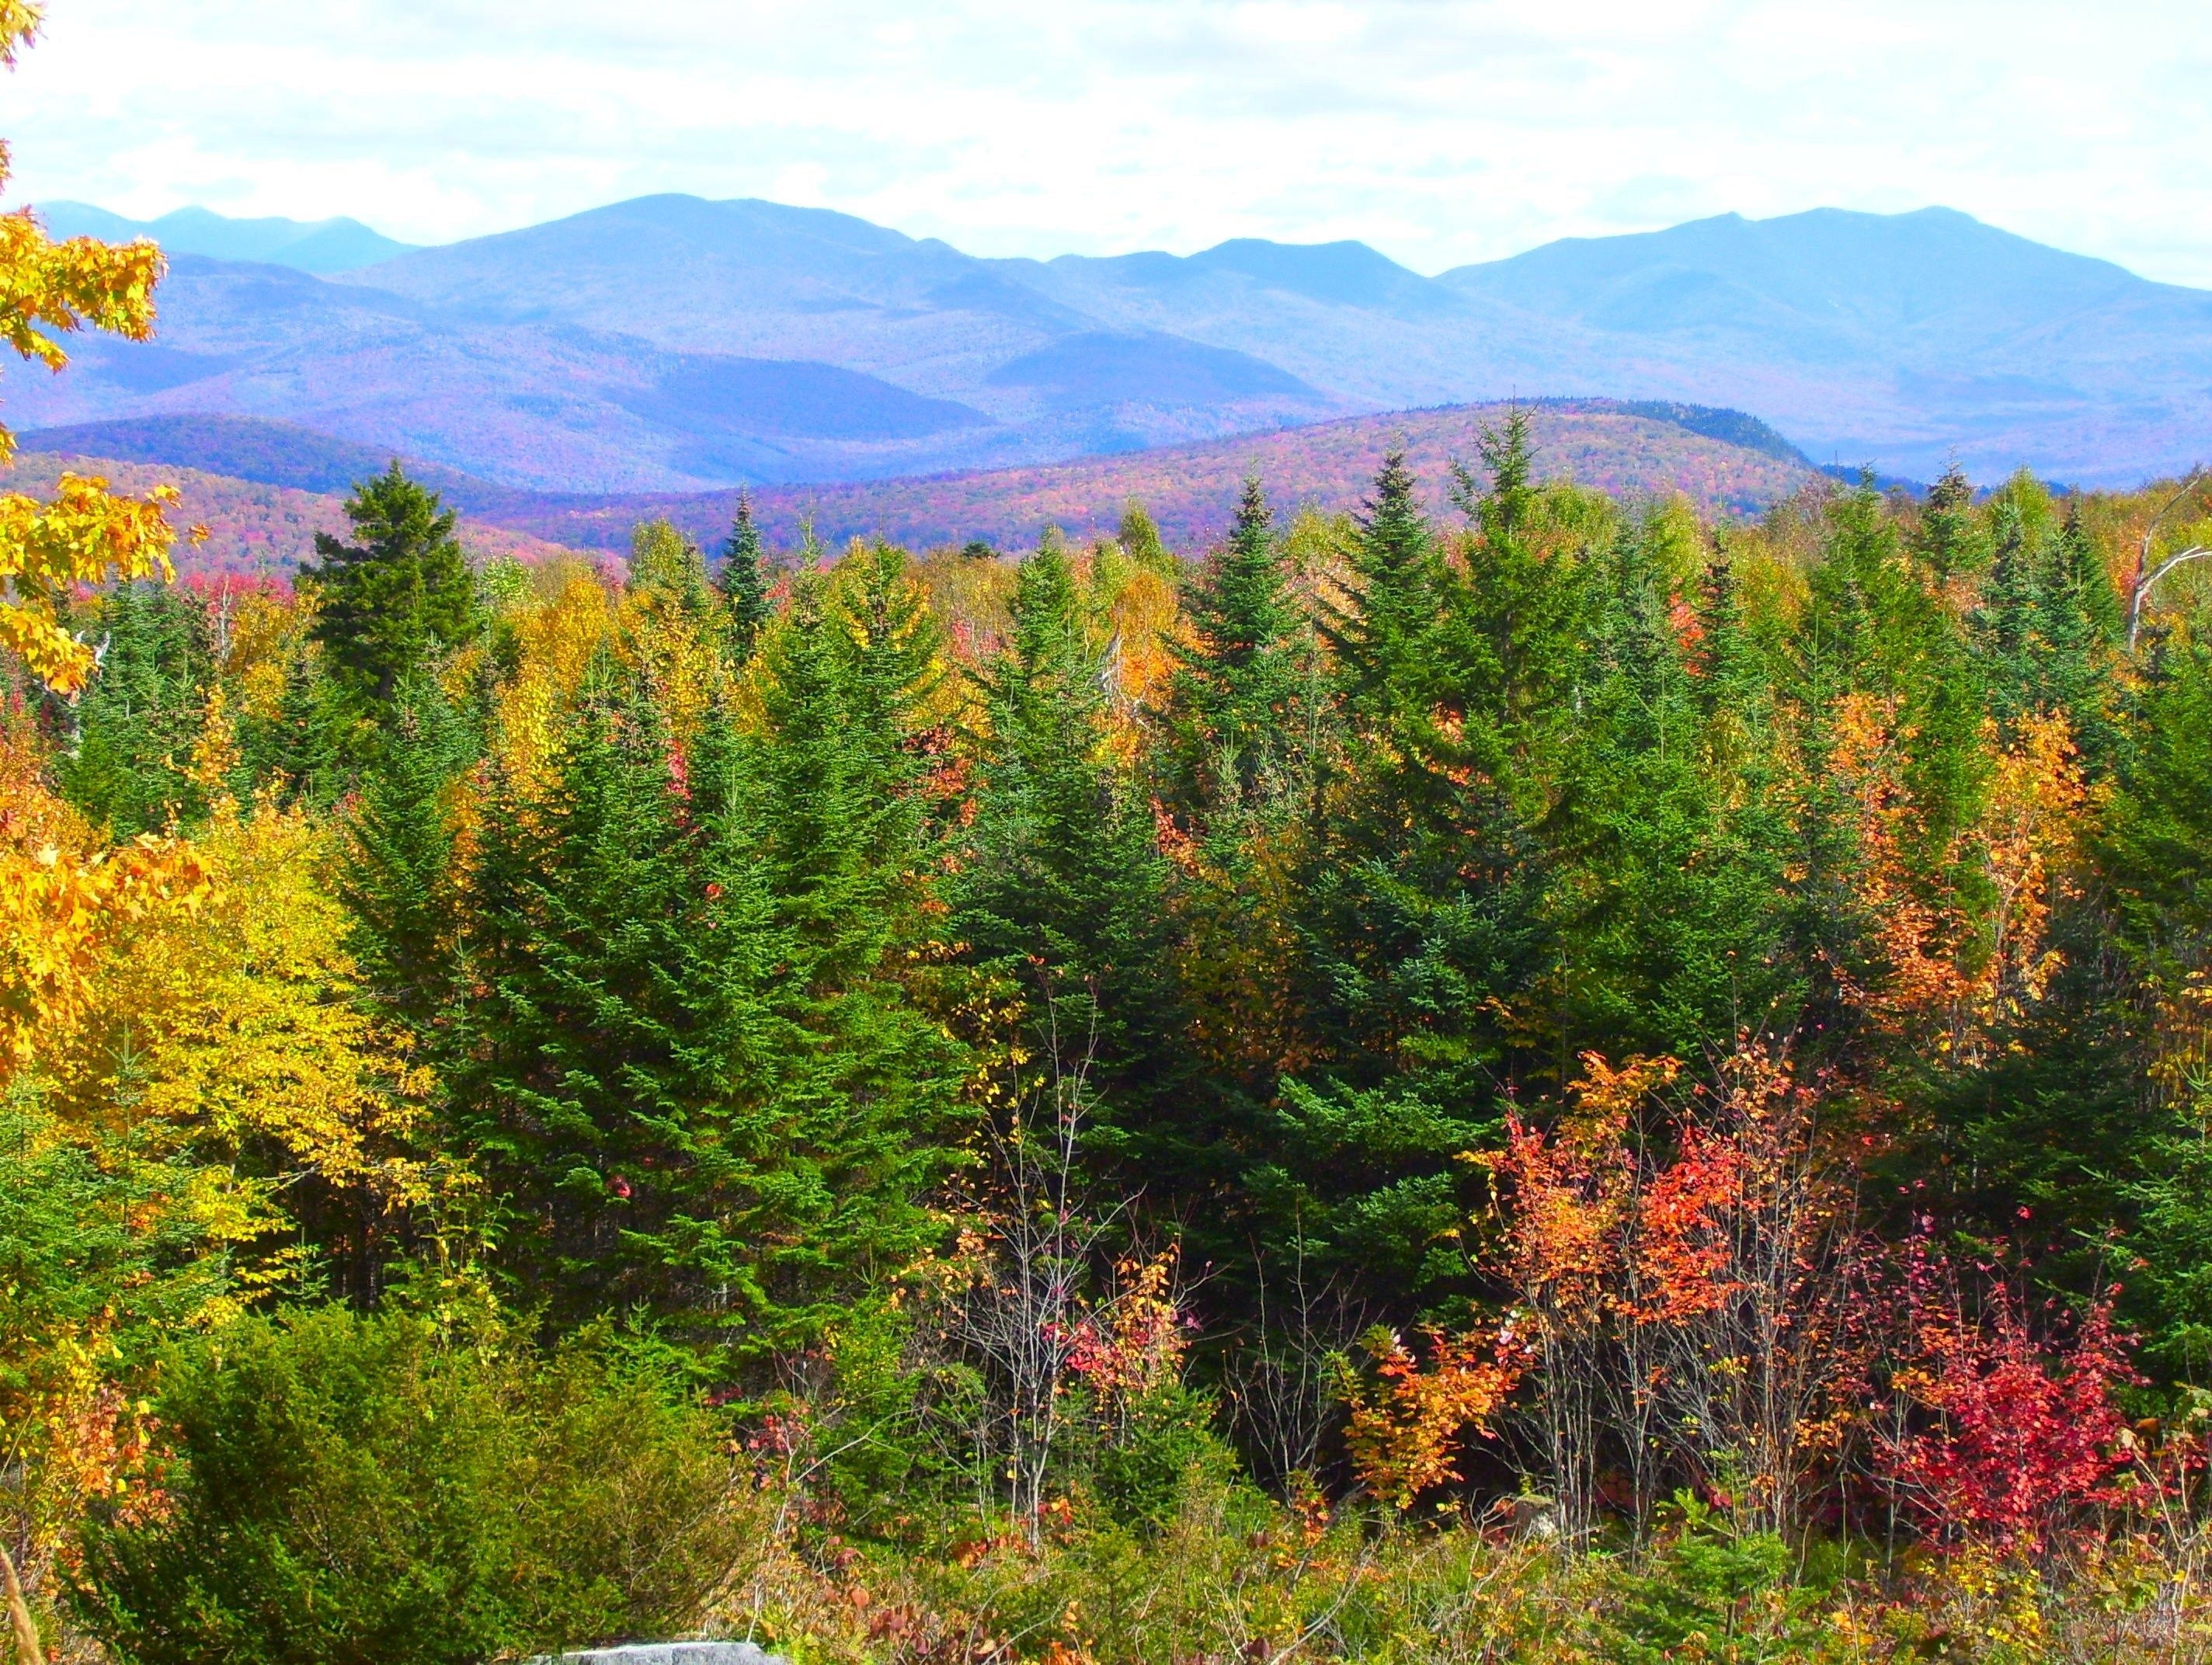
[2009, 623]
[1379, 634]
[138, 718]
[743, 582]
[1237, 705]
[390, 604]
[1425, 911]
[693, 1068]
[1947, 541]
[2083, 627]
[306, 749]
[400, 882]
[1673, 862]
[1061, 887]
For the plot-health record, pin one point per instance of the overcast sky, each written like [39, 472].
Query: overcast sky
[1441, 132]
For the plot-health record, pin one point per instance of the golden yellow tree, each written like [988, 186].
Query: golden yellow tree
[85, 535]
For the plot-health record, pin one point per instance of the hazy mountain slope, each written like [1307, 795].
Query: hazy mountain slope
[1899, 338]
[254, 529]
[241, 447]
[759, 278]
[320, 246]
[1338, 315]
[672, 343]
[1812, 281]
[630, 348]
[1895, 339]
[529, 404]
[1191, 489]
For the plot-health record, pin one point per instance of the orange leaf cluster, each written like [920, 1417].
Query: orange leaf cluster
[1406, 1426]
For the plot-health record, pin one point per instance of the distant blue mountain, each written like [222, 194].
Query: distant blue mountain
[1827, 277]
[673, 343]
[321, 246]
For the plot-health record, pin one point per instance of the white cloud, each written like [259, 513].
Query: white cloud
[1440, 131]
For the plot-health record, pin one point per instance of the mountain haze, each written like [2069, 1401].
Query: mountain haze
[1722, 461]
[320, 246]
[670, 342]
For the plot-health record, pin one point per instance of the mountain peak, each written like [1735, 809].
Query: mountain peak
[340, 244]
[1345, 271]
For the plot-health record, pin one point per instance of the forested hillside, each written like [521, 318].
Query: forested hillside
[1724, 461]
[1538, 1078]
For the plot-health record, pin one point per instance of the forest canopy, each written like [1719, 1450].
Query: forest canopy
[1568, 1004]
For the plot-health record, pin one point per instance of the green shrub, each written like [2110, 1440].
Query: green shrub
[1165, 1441]
[352, 1489]
[1713, 1592]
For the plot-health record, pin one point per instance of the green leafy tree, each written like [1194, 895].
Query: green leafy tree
[668, 570]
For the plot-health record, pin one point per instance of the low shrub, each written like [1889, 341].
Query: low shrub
[351, 1491]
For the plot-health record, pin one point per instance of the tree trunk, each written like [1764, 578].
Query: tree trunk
[27, 1650]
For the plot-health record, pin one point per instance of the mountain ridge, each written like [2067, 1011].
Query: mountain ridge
[323, 246]
[1190, 489]
[622, 348]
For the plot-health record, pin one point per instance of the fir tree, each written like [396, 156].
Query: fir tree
[1380, 632]
[692, 1068]
[743, 582]
[1237, 702]
[392, 603]
[1061, 887]
[2009, 623]
[1946, 540]
[400, 882]
[2083, 627]
[1423, 904]
[136, 722]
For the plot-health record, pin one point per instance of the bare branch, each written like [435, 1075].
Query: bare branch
[2195, 551]
[2197, 477]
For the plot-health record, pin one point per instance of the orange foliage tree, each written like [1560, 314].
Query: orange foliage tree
[1682, 1262]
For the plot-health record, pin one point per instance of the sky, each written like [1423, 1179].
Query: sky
[1440, 131]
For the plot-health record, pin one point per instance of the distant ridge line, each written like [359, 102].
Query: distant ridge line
[1726, 461]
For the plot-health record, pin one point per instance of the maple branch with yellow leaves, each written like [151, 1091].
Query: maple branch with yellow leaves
[86, 535]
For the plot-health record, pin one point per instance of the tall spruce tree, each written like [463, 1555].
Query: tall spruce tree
[1425, 911]
[2008, 623]
[391, 602]
[743, 582]
[693, 1066]
[1948, 540]
[1061, 887]
[1379, 634]
[400, 882]
[1238, 714]
[138, 718]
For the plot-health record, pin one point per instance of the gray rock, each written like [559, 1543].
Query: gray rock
[673, 1653]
